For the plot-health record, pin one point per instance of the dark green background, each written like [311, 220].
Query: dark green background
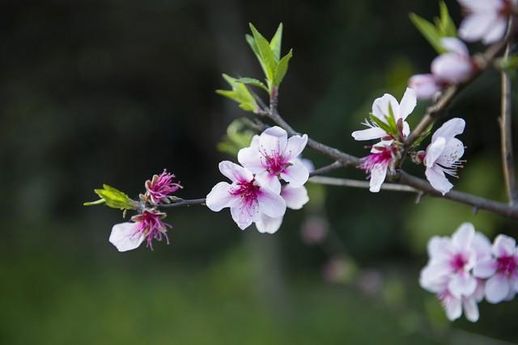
[113, 91]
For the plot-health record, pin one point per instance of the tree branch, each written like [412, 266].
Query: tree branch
[344, 182]
[326, 169]
[184, 202]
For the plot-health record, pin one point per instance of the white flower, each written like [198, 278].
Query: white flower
[272, 156]
[383, 108]
[443, 154]
[486, 20]
[125, 236]
[377, 163]
[501, 270]
[456, 65]
[247, 197]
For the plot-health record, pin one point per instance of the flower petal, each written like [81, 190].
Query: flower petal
[236, 173]
[504, 246]
[268, 225]
[378, 174]
[273, 141]
[434, 277]
[369, 134]
[295, 197]
[244, 214]
[381, 106]
[454, 45]
[497, 288]
[295, 146]
[463, 236]
[124, 236]
[485, 268]
[470, 309]
[476, 25]
[496, 31]
[452, 68]
[219, 197]
[437, 179]
[296, 174]
[463, 284]
[453, 307]
[270, 181]
[450, 129]
[425, 86]
[271, 203]
[434, 151]
[439, 248]
[408, 103]
[452, 152]
[250, 158]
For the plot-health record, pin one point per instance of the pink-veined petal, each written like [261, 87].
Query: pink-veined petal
[504, 246]
[268, 225]
[485, 268]
[244, 214]
[295, 146]
[296, 174]
[270, 181]
[463, 236]
[124, 236]
[295, 197]
[271, 203]
[408, 103]
[497, 288]
[219, 197]
[470, 309]
[462, 285]
[250, 158]
[432, 277]
[235, 172]
[273, 141]
[450, 129]
[378, 174]
[369, 134]
[437, 179]
[434, 151]
[452, 152]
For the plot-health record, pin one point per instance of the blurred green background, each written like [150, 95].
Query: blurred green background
[114, 91]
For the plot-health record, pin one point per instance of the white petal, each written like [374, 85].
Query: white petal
[433, 276]
[381, 105]
[439, 248]
[463, 236]
[504, 246]
[434, 151]
[124, 236]
[437, 179]
[453, 307]
[250, 158]
[236, 173]
[454, 45]
[485, 268]
[425, 86]
[271, 203]
[378, 174]
[497, 288]
[482, 246]
[273, 141]
[462, 285]
[496, 31]
[452, 68]
[470, 309]
[244, 215]
[270, 181]
[219, 197]
[408, 103]
[369, 134]
[295, 197]
[268, 225]
[296, 174]
[481, 5]
[452, 152]
[295, 146]
[476, 25]
[450, 129]
[406, 129]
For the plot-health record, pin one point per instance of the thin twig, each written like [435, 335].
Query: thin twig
[184, 202]
[345, 182]
[326, 169]
[506, 138]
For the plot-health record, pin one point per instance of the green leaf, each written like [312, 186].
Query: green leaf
[253, 82]
[239, 94]
[264, 54]
[282, 68]
[113, 198]
[429, 32]
[445, 24]
[276, 42]
[381, 124]
[237, 137]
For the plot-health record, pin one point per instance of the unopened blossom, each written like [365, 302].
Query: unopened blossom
[247, 197]
[377, 163]
[160, 187]
[273, 156]
[486, 20]
[455, 66]
[443, 155]
[294, 197]
[426, 86]
[500, 268]
[385, 107]
[147, 225]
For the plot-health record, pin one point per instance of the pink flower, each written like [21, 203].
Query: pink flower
[443, 154]
[486, 20]
[161, 186]
[294, 197]
[247, 197]
[147, 225]
[383, 108]
[272, 156]
[456, 65]
[377, 163]
[449, 272]
[426, 86]
[501, 270]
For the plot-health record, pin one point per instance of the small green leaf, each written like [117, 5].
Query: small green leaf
[264, 54]
[239, 94]
[445, 24]
[253, 82]
[381, 124]
[282, 68]
[237, 137]
[93, 203]
[276, 43]
[113, 198]
[429, 32]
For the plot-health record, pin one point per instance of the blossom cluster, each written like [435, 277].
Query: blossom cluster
[486, 21]
[148, 224]
[388, 124]
[466, 268]
[270, 179]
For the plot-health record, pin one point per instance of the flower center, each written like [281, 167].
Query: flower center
[247, 190]
[384, 156]
[275, 164]
[506, 265]
[458, 262]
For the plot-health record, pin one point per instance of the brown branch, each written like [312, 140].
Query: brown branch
[326, 169]
[344, 182]
[184, 202]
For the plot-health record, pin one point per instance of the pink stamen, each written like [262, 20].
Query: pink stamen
[506, 265]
